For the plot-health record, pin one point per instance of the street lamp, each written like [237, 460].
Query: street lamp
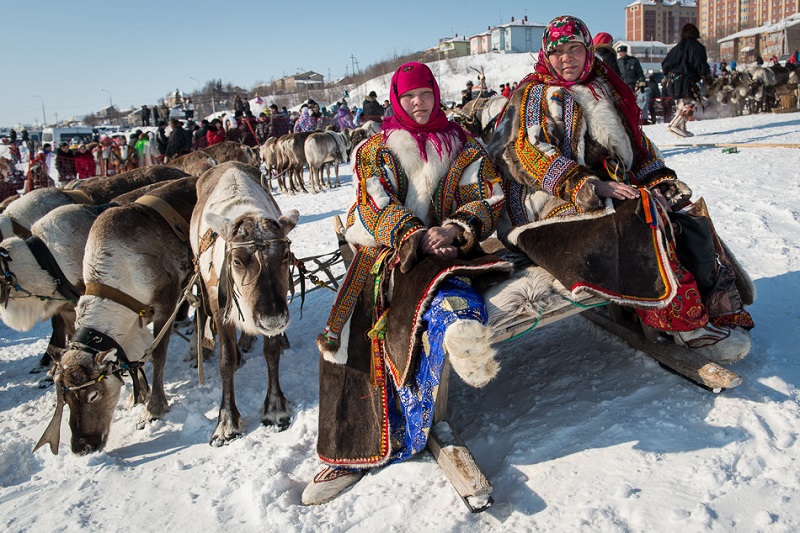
[110, 103]
[44, 119]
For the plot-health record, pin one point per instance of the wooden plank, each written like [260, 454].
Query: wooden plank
[731, 145]
[459, 466]
[683, 361]
[453, 456]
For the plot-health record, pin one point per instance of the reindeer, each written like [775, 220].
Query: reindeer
[232, 151]
[43, 273]
[239, 238]
[321, 149]
[20, 216]
[268, 155]
[194, 163]
[294, 148]
[478, 116]
[137, 261]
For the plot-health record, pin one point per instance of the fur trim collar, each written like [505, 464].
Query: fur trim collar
[423, 176]
[603, 121]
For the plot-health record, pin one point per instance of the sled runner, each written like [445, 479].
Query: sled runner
[509, 318]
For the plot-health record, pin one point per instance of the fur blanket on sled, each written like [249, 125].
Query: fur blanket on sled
[612, 253]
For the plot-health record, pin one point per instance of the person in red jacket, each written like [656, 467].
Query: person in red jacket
[216, 133]
[84, 162]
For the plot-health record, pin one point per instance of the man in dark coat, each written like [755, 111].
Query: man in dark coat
[685, 65]
[630, 67]
[371, 108]
[145, 115]
[179, 142]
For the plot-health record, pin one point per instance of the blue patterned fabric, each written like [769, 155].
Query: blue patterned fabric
[411, 407]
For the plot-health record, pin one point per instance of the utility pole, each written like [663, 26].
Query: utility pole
[44, 118]
[355, 62]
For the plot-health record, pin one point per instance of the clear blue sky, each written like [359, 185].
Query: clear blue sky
[78, 55]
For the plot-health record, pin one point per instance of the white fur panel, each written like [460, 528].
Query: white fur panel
[339, 357]
[423, 176]
[468, 345]
[604, 122]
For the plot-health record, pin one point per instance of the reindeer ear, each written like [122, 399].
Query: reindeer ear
[289, 221]
[109, 356]
[220, 225]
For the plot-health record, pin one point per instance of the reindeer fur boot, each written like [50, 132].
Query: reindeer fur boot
[468, 346]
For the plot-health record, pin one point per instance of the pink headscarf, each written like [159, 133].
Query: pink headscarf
[411, 76]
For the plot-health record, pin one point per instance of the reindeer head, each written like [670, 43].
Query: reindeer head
[89, 383]
[257, 270]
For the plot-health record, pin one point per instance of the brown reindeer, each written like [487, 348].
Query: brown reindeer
[239, 238]
[137, 261]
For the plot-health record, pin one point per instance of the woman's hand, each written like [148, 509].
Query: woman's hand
[614, 189]
[438, 240]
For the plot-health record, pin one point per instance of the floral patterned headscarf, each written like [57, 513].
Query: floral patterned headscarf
[562, 30]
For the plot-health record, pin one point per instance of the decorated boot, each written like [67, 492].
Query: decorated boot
[329, 483]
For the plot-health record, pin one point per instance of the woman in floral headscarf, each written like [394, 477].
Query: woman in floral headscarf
[426, 194]
[591, 200]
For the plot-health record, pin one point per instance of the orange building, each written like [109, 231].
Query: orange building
[719, 18]
[658, 20]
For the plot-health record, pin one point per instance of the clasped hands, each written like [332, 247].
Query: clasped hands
[439, 240]
[621, 191]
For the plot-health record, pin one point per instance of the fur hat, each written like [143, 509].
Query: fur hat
[622, 48]
[373, 94]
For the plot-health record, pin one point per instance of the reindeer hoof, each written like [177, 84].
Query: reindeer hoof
[218, 441]
[281, 424]
[45, 382]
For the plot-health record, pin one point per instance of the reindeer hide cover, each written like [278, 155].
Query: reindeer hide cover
[354, 393]
[612, 253]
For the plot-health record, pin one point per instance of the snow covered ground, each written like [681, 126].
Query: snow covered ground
[578, 433]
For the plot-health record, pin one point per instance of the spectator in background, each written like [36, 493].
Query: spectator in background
[179, 142]
[238, 104]
[387, 109]
[306, 122]
[687, 62]
[506, 90]
[155, 114]
[84, 162]
[65, 163]
[247, 129]
[371, 109]
[216, 133]
[278, 122]
[466, 94]
[262, 127]
[188, 107]
[603, 48]
[630, 67]
[199, 136]
[642, 100]
[344, 118]
[161, 140]
[145, 116]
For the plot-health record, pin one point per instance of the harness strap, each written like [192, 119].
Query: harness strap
[20, 230]
[78, 196]
[176, 222]
[96, 341]
[94, 288]
[336, 143]
[46, 260]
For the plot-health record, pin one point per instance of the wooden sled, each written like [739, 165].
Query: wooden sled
[450, 451]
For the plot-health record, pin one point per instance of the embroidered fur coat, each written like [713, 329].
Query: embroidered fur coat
[373, 333]
[552, 145]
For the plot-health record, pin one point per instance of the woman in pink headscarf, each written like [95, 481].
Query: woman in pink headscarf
[426, 194]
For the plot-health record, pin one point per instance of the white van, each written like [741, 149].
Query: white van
[55, 136]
